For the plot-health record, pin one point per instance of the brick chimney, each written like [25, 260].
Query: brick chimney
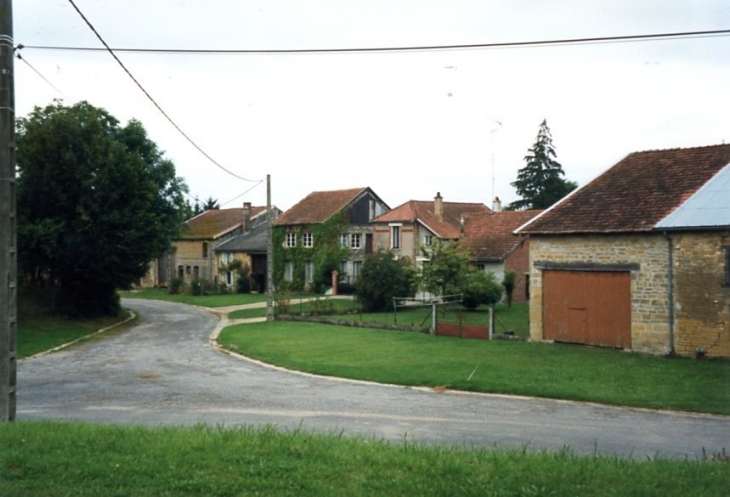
[246, 216]
[438, 206]
[496, 205]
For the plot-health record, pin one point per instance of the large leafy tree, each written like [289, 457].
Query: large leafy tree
[447, 269]
[96, 203]
[540, 182]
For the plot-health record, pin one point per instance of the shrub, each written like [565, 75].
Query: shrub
[243, 281]
[481, 288]
[508, 282]
[381, 278]
[177, 286]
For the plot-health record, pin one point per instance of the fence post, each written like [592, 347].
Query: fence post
[433, 318]
[491, 320]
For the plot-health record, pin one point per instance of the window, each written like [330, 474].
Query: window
[291, 239]
[309, 272]
[180, 272]
[343, 269]
[356, 266]
[355, 241]
[196, 272]
[307, 239]
[428, 240]
[205, 250]
[395, 237]
[288, 271]
[229, 278]
[727, 266]
[343, 240]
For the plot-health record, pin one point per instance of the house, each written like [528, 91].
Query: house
[193, 254]
[639, 258]
[326, 230]
[493, 246]
[417, 225]
[249, 248]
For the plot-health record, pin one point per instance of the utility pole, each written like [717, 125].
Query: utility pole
[8, 227]
[269, 254]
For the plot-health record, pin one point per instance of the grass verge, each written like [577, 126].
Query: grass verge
[49, 458]
[534, 369]
[39, 329]
[221, 300]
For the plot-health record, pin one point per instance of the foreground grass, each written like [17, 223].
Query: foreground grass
[221, 300]
[40, 329]
[534, 369]
[55, 459]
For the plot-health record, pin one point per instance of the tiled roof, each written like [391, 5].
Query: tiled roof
[449, 228]
[491, 236]
[214, 223]
[635, 194]
[317, 207]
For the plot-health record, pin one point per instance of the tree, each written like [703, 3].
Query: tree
[508, 282]
[210, 204]
[446, 271]
[481, 288]
[381, 278]
[539, 183]
[96, 203]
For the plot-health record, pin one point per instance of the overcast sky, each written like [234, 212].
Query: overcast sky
[406, 124]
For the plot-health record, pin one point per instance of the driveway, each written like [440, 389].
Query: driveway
[165, 371]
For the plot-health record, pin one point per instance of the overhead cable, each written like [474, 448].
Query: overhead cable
[415, 48]
[111, 51]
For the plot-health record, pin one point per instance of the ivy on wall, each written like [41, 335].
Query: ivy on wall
[325, 254]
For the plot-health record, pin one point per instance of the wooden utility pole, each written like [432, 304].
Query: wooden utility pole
[8, 227]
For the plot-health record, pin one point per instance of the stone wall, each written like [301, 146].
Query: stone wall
[702, 297]
[649, 283]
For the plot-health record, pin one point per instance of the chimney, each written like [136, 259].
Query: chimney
[246, 216]
[438, 206]
[496, 205]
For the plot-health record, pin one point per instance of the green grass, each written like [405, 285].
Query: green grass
[56, 459]
[221, 300]
[39, 329]
[535, 369]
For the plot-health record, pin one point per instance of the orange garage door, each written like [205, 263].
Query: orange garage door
[589, 307]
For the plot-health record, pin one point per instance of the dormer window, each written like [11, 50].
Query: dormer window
[291, 239]
[307, 239]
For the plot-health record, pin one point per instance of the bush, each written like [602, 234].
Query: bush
[508, 282]
[243, 281]
[177, 286]
[481, 288]
[381, 278]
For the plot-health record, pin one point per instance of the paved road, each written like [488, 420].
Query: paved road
[166, 371]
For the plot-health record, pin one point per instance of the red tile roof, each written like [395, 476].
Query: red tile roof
[317, 207]
[635, 194]
[213, 223]
[448, 228]
[491, 236]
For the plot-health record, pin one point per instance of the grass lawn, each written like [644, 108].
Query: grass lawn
[39, 329]
[543, 370]
[222, 300]
[56, 459]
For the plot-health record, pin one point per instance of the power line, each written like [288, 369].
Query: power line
[111, 51]
[417, 48]
[19, 57]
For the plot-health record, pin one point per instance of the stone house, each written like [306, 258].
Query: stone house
[639, 258]
[193, 254]
[417, 225]
[493, 246]
[250, 248]
[322, 226]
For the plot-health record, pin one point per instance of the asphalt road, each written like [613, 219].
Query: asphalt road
[166, 371]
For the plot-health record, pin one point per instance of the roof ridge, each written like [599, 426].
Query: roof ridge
[674, 149]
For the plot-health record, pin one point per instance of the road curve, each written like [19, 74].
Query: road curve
[164, 371]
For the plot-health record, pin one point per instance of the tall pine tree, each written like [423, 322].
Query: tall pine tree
[539, 183]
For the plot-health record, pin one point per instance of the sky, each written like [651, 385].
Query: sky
[406, 124]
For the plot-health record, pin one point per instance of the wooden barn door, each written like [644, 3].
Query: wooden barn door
[589, 307]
